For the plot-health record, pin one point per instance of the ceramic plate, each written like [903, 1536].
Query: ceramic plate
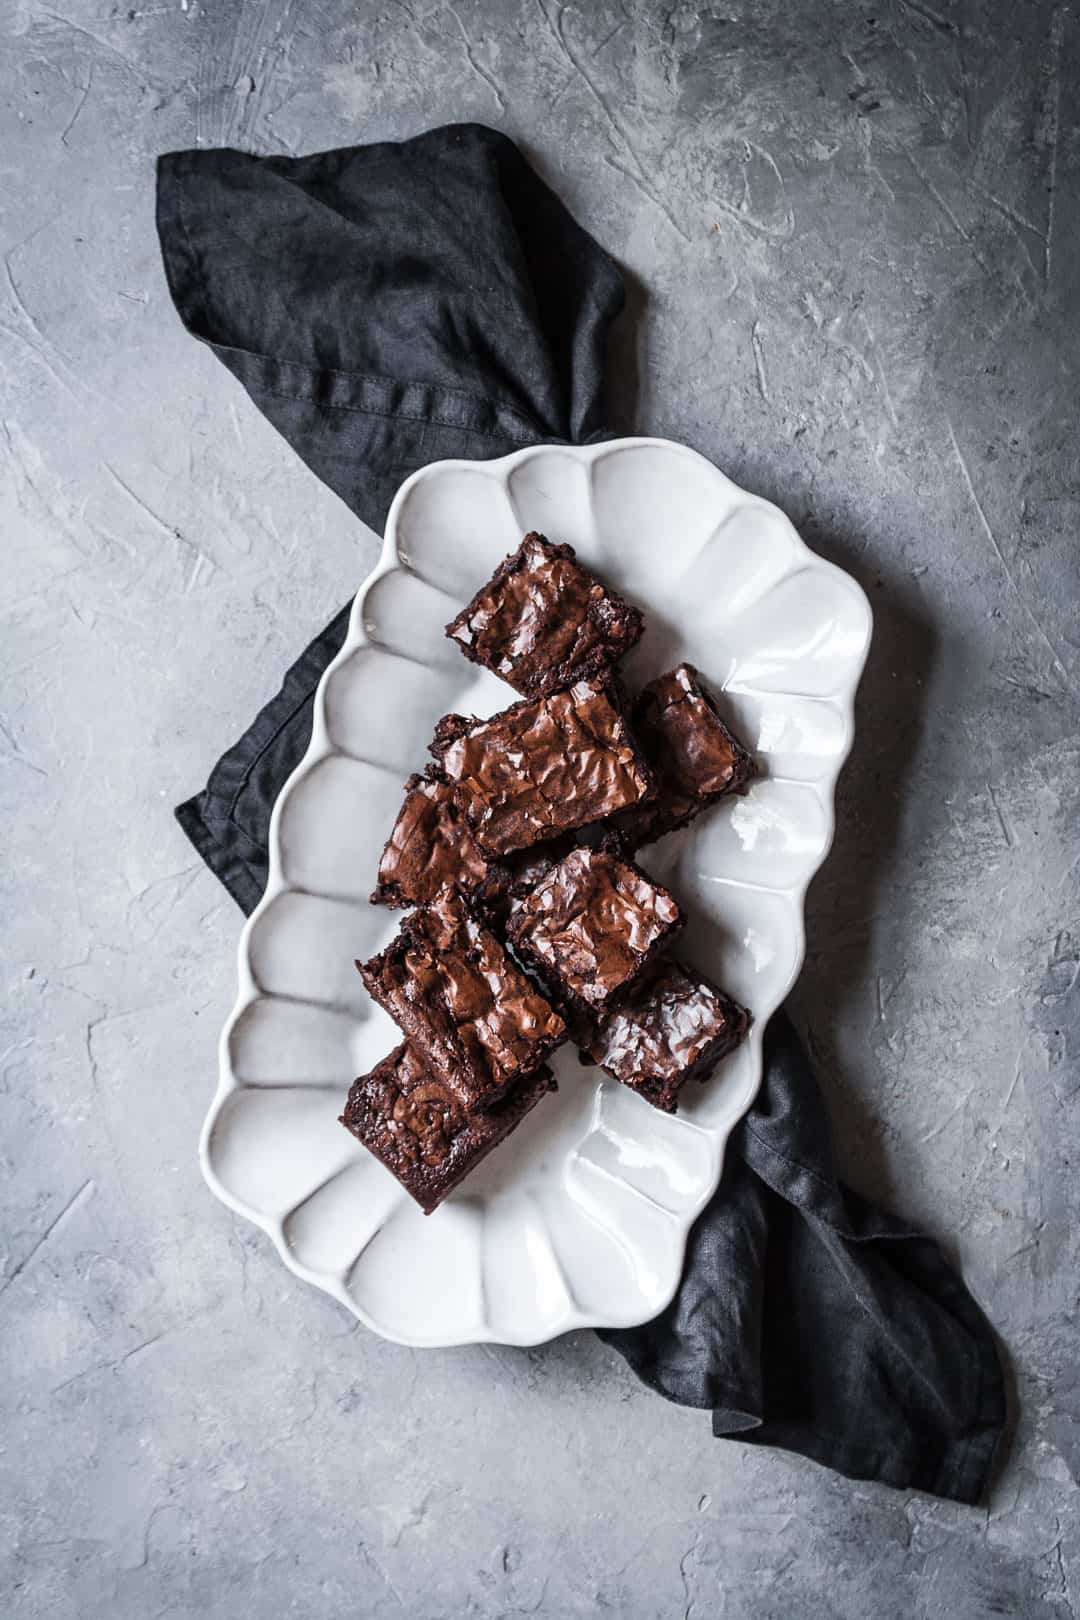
[580, 1218]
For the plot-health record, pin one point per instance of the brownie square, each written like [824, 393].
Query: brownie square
[543, 621]
[693, 756]
[671, 1026]
[470, 1012]
[415, 1125]
[591, 925]
[430, 847]
[543, 766]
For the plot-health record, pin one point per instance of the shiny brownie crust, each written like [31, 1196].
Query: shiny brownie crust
[543, 766]
[672, 1026]
[467, 1009]
[694, 757]
[543, 621]
[430, 847]
[415, 1125]
[591, 925]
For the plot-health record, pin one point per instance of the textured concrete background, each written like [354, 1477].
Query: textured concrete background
[853, 233]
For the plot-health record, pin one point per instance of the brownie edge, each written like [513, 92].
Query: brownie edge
[543, 620]
[672, 1026]
[465, 1006]
[694, 757]
[430, 847]
[415, 1126]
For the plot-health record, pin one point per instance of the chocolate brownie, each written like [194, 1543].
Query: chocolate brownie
[544, 765]
[670, 1027]
[415, 1125]
[469, 1011]
[591, 926]
[543, 621]
[692, 754]
[512, 876]
[430, 848]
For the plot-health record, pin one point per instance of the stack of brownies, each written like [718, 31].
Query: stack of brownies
[532, 924]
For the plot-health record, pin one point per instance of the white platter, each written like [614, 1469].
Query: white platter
[580, 1218]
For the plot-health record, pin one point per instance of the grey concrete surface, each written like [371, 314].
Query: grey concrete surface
[853, 232]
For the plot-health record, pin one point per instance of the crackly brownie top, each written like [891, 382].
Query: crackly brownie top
[543, 766]
[430, 848]
[407, 1112]
[664, 1025]
[592, 922]
[692, 754]
[511, 876]
[414, 1123]
[455, 968]
[543, 620]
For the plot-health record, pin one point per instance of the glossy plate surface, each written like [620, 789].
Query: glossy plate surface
[580, 1218]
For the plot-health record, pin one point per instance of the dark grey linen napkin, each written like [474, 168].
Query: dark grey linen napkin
[390, 305]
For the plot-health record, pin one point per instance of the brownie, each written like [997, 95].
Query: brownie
[417, 1128]
[670, 1027]
[512, 876]
[591, 925]
[430, 848]
[543, 766]
[543, 621]
[692, 754]
[469, 1011]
